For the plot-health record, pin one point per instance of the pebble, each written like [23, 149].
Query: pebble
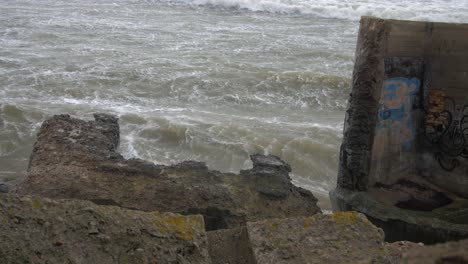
[3, 188]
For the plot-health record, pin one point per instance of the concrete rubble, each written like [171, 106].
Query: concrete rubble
[76, 159]
[82, 202]
[41, 230]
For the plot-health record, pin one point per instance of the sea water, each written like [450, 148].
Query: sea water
[205, 80]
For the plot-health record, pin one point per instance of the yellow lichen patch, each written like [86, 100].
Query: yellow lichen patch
[273, 226]
[378, 250]
[183, 227]
[124, 259]
[36, 204]
[344, 217]
[307, 223]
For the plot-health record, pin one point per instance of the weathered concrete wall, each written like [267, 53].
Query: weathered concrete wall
[398, 65]
[398, 121]
[355, 153]
[405, 138]
[444, 49]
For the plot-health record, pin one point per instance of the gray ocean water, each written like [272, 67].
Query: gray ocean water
[206, 80]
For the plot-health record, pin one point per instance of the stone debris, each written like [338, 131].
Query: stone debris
[109, 215]
[4, 188]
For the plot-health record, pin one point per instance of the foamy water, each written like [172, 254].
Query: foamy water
[209, 80]
[429, 10]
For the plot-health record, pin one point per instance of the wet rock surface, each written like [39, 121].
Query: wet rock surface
[41, 230]
[78, 159]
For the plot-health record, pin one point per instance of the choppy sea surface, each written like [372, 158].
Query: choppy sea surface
[206, 80]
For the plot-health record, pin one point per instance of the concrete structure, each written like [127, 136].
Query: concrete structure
[339, 238]
[404, 157]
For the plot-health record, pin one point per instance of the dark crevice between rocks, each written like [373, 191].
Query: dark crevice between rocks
[105, 202]
[422, 198]
[216, 218]
[452, 260]
[231, 246]
[437, 200]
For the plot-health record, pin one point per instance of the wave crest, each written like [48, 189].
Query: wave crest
[446, 11]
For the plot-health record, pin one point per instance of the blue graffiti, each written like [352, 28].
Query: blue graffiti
[397, 106]
[393, 114]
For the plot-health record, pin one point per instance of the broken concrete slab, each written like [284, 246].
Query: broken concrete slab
[78, 159]
[41, 230]
[339, 238]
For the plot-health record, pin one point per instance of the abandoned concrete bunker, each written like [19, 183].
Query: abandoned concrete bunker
[404, 156]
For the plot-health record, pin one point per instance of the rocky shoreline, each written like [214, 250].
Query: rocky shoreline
[82, 202]
[75, 159]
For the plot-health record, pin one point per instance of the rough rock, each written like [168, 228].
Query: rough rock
[396, 250]
[446, 253]
[339, 238]
[40, 230]
[4, 188]
[230, 246]
[77, 159]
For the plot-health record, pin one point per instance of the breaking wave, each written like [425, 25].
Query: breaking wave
[443, 11]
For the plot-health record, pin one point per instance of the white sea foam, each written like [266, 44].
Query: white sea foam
[432, 10]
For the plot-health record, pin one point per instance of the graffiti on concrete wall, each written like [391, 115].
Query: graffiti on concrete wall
[395, 125]
[435, 108]
[446, 127]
